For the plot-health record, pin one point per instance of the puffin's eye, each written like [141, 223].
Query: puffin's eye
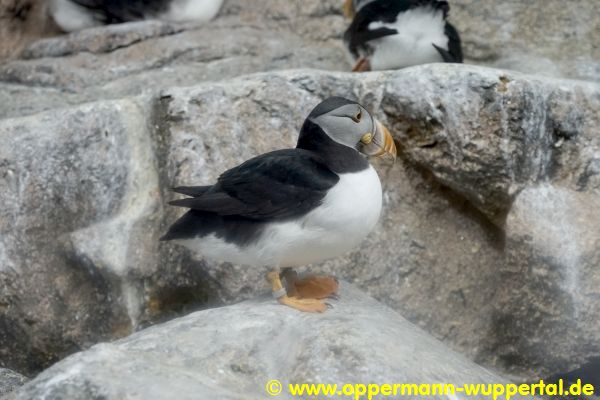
[357, 117]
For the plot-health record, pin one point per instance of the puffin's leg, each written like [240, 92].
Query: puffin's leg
[305, 305]
[317, 287]
[290, 276]
[362, 65]
[313, 287]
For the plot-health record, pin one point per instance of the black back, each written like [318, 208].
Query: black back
[118, 11]
[276, 186]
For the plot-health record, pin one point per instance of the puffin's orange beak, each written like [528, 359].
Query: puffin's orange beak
[379, 144]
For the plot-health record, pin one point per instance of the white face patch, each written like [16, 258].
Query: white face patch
[347, 124]
[418, 30]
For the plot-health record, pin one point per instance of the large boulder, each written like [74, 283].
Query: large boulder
[541, 37]
[547, 308]
[525, 152]
[101, 271]
[489, 133]
[96, 127]
[127, 59]
[254, 36]
[232, 352]
[438, 254]
[22, 23]
[79, 188]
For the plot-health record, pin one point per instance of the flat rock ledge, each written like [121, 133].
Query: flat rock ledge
[202, 356]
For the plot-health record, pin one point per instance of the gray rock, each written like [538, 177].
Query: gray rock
[547, 307]
[232, 352]
[10, 381]
[106, 251]
[541, 37]
[23, 23]
[82, 186]
[78, 187]
[85, 187]
[488, 133]
[128, 59]
[251, 36]
[525, 152]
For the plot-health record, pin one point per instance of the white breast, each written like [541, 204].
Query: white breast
[348, 213]
[193, 10]
[418, 29]
[71, 17]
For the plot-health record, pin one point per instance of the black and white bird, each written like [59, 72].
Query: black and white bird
[293, 207]
[74, 15]
[394, 34]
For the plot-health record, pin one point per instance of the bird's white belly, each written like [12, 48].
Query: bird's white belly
[193, 10]
[72, 17]
[418, 30]
[348, 213]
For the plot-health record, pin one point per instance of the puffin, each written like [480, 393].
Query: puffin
[292, 207]
[394, 34]
[74, 15]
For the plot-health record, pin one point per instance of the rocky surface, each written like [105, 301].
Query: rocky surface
[23, 21]
[200, 356]
[540, 37]
[434, 257]
[10, 381]
[488, 239]
[490, 134]
[525, 152]
[101, 271]
[128, 59]
[551, 279]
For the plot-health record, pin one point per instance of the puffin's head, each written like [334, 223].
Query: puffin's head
[350, 124]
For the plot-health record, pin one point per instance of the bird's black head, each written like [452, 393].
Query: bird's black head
[341, 126]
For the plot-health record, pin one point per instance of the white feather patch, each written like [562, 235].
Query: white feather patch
[193, 10]
[71, 17]
[418, 29]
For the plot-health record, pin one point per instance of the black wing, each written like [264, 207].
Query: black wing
[279, 185]
[192, 191]
[118, 11]
[359, 34]
[454, 44]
